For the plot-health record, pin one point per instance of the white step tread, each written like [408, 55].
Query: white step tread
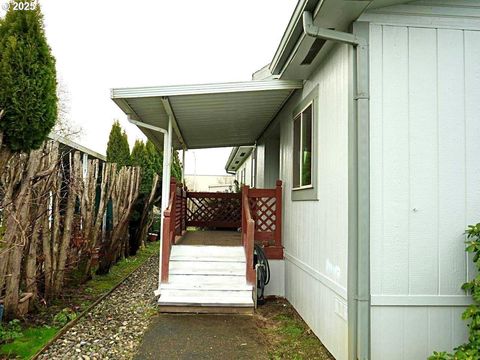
[207, 251]
[219, 286]
[207, 279]
[206, 268]
[205, 298]
[222, 258]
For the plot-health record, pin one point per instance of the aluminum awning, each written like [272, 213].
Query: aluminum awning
[207, 115]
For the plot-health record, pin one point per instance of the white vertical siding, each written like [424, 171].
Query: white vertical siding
[315, 233]
[425, 185]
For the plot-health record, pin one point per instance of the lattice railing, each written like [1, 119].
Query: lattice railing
[180, 209]
[213, 210]
[266, 209]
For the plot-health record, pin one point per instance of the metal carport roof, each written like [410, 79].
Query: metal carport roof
[206, 115]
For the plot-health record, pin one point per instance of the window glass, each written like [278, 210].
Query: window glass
[302, 148]
[306, 147]
[296, 151]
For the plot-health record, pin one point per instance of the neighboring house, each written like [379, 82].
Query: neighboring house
[373, 128]
[214, 183]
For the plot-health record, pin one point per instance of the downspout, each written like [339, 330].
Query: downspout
[359, 187]
[167, 141]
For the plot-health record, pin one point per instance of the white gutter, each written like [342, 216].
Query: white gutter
[167, 145]
[197, 89]
[359, 188]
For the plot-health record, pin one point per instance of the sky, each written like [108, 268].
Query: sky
[99, 45]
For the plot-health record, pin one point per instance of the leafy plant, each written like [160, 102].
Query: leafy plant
[10, 331]
[64, 317]
[471, 349]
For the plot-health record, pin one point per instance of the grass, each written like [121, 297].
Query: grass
[101, 284]
[32, 340]
[34, 337]
[287, 335]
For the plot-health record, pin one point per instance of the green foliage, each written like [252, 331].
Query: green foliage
[10, 331]
[27, 80]
[118, 150]
[176, 170]
[150, 160]
[64, 317]
[26, 345]
[470, 350]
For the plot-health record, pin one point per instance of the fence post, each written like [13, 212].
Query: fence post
[278, 213]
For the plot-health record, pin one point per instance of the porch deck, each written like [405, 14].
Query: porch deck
[211, 237]
[213, 271]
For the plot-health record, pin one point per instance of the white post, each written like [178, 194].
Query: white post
[183, 166]
[167, 156]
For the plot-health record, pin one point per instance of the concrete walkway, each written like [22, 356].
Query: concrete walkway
[202, 337]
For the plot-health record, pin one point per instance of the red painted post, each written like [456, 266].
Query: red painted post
[165, 246]
[250, 271]
[278, 213]
[173, 210]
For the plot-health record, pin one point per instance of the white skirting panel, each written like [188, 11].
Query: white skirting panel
[414, 332]
[276, 286]
[322, 308]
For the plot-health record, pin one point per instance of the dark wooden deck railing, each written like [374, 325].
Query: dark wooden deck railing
[248, 230]
[258, 212]
[214, 210]
[173, 223]
[266, 210]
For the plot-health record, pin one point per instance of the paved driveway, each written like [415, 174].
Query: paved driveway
[189, 336]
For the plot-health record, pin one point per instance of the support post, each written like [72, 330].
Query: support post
[183, 166]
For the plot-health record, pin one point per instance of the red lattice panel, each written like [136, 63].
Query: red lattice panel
[263, 211]
[214, 210]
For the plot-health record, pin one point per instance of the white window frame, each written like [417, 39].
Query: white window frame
[300, 113]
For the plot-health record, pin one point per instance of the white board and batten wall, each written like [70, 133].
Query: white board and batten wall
[425, 175]
[315, 232]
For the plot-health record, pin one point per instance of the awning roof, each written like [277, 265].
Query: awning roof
[207, 115]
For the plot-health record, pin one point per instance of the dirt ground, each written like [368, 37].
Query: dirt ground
[286, 335]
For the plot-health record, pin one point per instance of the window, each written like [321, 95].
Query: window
[302, 148]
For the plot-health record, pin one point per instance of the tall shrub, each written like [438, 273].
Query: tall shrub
[471, 349]
[118, 151]
[27, 80]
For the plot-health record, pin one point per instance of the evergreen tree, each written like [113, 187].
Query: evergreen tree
[118, 150]
[27, 80]
[176, 168]
[155, 156]
[140, 157]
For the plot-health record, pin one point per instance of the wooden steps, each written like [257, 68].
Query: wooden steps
[206, 279]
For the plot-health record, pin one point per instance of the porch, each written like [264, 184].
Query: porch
[207, 260]
[205, 269]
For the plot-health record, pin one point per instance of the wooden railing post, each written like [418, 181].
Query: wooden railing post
[165, 246]
[173, 210]
[250, 271]
[184, 208]
[278, 213]
[248, 233]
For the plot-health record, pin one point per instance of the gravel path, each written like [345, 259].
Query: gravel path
[115, 327]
